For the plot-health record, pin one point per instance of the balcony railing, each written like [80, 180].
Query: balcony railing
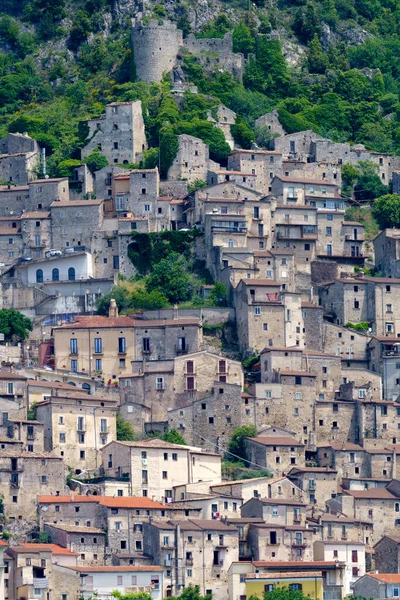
[181, 349]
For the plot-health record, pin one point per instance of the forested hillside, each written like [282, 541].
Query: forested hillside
[330, 65]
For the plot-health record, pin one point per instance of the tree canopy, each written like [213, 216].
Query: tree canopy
[237, 443]
[14, 325]
[386, 210]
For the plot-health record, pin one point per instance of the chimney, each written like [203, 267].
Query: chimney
[113, 310]
[175, 314]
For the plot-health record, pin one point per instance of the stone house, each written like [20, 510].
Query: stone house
[192, 160]
[280, 511]
[119, 134]
[11, 245]
[348, 343]
[266, 316]
[121, 513]
[38, 472]
[296, 230]
[74, 222]
[287, 404]
[276, 361]
[271, 121]
[364, 299]
[223, 118]
[13, 396]
[34, 569]
[387, 554]
[104, 580]
[36, 233]
[345, 457]
[377, 585]
[350, 553]
[179, 546]
[379, 505]
[155, 467]
[317, 484]
[19, 157]
[317, 193]
[259, 487]
[77, 426]
[164, 339]
[247, 180]
[262, 163]
[104, 181]
[278, 542]
[43, 192]
[29, 433]
[387, 252]
[210, 421]
[89, 543]
[210, 506]
[383, 354]
[340, 528]
[337, 237]
[13, 198]
[275, 453]
[296, 145]
[336, 421]
[165, 384]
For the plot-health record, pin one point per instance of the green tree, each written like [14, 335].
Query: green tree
[242, 133]
[121, 297]
[386, 210]
[142, 299]
[95, 160]
[242, 39]
[283, 593]
[171, 278]
[14, 325]
[66, 167]
[237, 443]
[317, 59]
[218, 295]
[125, 431]
[173, 437]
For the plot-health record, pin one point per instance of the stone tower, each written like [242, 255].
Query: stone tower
[155, 48]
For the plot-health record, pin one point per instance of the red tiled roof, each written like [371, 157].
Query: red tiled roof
[385, 577]
[54, 548]
[108, 501]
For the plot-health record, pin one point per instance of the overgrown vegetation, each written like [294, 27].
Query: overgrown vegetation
[125, 431]
[168, 274]
[14, 325]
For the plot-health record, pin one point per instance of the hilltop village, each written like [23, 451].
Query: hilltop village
[301, 358]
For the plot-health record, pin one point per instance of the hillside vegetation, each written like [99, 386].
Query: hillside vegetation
[334, 69]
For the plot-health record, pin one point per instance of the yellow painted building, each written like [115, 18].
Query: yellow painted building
[309, 583]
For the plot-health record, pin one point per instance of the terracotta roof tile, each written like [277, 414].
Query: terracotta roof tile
[54, 548]
[385, 577]
[114, 569]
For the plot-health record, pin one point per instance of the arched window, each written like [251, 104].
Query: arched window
[55, 275]
[230, 243]
[39, 276]
[71, 274]
[86, 387]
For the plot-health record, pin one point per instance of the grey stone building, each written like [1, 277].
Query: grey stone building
[119, 134]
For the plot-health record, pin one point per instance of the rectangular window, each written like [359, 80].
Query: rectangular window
[328, 230]
[146, 345]
[116, 262]
[73, 346]
[74, 366]
[98, 345]
[119, 203]
[98, 364]
[10, 388]
[122, 345]
[257, 310]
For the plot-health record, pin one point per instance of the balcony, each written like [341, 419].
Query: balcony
[81, 428]
[105, 430]
[189, 562]
[181, 349]
[350, 237]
